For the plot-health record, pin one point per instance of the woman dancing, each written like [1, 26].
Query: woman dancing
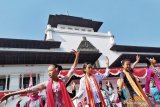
[136, 95]
[152, 72]
[89, 86]
[57, 95]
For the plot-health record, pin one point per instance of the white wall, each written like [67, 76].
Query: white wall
[71, 40]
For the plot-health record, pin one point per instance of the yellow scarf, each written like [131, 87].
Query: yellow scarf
[137, 89]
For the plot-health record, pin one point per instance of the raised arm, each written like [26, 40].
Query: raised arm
[135, 63]
[74, 64]
[106, 74]
[107, 68]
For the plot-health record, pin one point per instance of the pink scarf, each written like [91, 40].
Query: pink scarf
[34, 98]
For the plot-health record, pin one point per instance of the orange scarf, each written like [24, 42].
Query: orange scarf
[137, 89]
[90, 93]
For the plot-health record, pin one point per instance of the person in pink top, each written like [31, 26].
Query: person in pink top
[56, 92]
[34, 99]
[152, 72]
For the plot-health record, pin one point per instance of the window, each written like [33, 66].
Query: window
[76, 29]
[83, 29]
[62, 27]
[26, 81]
[69, 28]
[2, 84]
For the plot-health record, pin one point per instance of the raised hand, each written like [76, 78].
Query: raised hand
[137, 58]
[74, 64]
[75, 52]
[5, 97]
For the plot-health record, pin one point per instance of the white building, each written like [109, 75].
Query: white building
[63, 33]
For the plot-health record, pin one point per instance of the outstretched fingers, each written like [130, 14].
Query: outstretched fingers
[4, 98]
[75, 52]
[137, 57]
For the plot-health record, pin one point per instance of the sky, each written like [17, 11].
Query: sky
[132, 22]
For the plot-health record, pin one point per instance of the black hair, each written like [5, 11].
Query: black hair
[58, 66]
[110, 85]
[125, 60]
[148, 62]
[85, 65]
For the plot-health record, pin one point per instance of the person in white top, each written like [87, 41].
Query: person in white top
[89, 86]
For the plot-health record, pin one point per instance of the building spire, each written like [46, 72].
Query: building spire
[67, 13]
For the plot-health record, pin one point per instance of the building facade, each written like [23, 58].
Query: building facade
[19, 58]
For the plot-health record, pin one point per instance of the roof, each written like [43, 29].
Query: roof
[85, 45]
[31, 44]
[123, 48]
[30, 57]
[132, 58]
[54, 20]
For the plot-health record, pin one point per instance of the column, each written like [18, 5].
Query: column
[22, 76]
[49, 33]
[6, 82]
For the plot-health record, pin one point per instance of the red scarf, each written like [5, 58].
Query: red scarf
[90, 93]
[65, 96]
[40, 100]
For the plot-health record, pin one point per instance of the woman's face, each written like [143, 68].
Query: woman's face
[52, 71]
[88, 69]
[127, 65]
[153, 61]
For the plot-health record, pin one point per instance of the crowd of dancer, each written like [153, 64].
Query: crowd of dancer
[128, 91]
